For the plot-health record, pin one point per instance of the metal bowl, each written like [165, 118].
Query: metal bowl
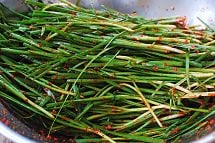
[192, 9]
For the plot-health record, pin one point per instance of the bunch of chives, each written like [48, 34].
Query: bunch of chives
[103, 76]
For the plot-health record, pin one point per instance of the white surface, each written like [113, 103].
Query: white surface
[3, 139]
[208, 139]
[8, 133]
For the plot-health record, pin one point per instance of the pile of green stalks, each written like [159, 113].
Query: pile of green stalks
[104, 76]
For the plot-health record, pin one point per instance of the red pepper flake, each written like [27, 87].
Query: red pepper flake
[181, 21]
[113, 110]
[66, 65]
[39, 45]
[96, 131]
[135, 39]
[26, 100]
[55, 77]
[155, 68]
[49, 137]
[181, 24]
[151, 121]
[73, 13]
[201, 101]
[182, 113]
[209, 128]
[94, 80]
[108, 127]
[4, 111]
[211, 94]
[54, 112]
[173, 90]
[159, 38]
[49, 83]
[7, 122]
[97, 69]
[212, 122]
[46, 89]
[187, 41]
[55, 139]
[192, 47]
[174, 131]
[12, 76]
[3, 120]
[175, 69]
[200, 33]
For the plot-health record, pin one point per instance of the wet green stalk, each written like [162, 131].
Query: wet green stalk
[119, 77]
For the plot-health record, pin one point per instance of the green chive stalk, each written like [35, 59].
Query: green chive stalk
[104, 76]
